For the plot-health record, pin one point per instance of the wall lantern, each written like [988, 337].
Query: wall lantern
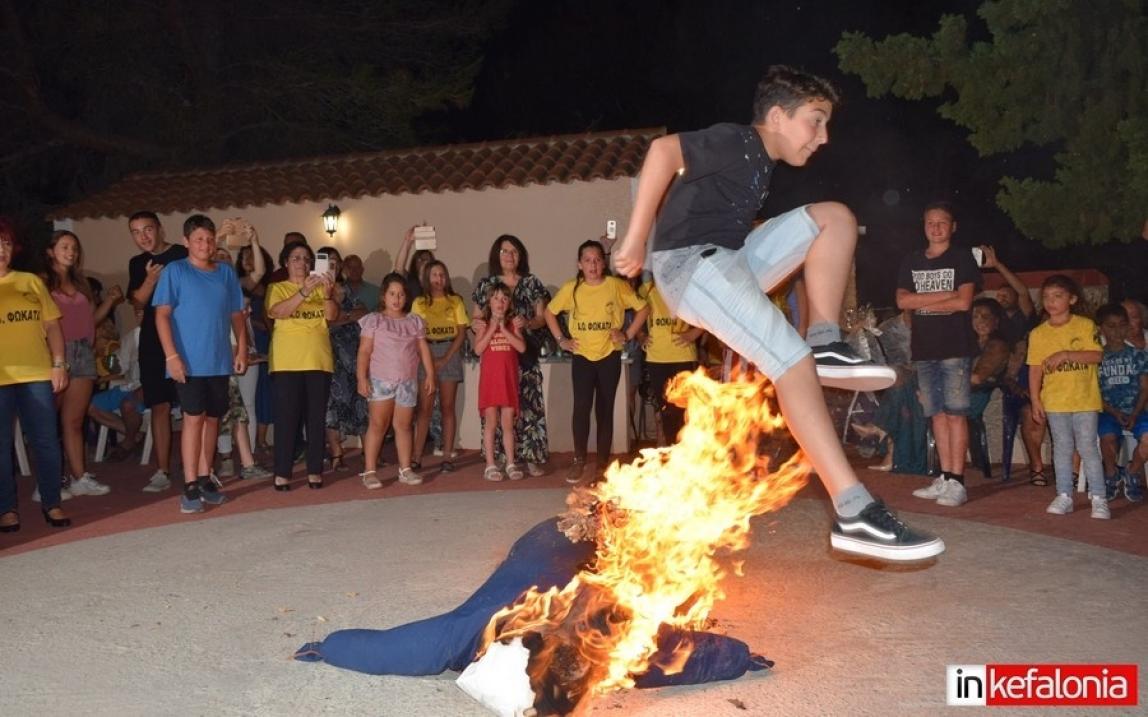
[331, 219]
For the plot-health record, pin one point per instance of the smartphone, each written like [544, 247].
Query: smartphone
[322, 263]
[612, 229]
[979, 256]
[426, 238]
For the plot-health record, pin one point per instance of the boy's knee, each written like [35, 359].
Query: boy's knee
[833, 214]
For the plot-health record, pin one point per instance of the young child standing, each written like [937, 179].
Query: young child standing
[1124, 392]
[714, 272]
[498, 346]
[391, 345]
[1063, 353]
[198, 304]
[596, 304]
[446, 321]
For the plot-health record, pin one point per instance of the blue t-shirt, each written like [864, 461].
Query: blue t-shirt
[1120, 373]
[202, 304]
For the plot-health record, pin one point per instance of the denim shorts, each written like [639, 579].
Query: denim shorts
[449, 371]
[1107, 426]
[725, 293]
[944, 385]
[403, 393]
[81, 358]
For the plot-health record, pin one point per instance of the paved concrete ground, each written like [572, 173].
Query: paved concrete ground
[199, 618]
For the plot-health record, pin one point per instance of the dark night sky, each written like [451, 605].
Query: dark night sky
[571, 66]
[567, 66]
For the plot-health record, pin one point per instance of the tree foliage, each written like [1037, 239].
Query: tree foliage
[1068, 75]
[90, 90]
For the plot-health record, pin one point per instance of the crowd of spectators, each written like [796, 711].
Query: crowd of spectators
[231, 345]
[1078, 376]
[245, 358]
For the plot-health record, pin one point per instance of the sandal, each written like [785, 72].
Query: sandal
[337, 463]
[1037, 478]
[370, 482]
[492, 473]
[513, 472]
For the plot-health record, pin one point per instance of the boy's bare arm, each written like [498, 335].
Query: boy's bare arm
[663, 161]
[962, 301]
[1023, 299]
[1035, 381]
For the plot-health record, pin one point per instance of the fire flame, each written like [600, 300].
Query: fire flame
[665, 520]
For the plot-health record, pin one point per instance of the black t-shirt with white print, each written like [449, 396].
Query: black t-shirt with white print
[945, 334]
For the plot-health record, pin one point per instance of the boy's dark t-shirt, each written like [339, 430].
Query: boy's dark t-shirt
[947, 334]
[137, 274]
[715, 201]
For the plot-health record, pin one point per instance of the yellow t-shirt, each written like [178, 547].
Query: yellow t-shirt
[301, 342]
[1073, 387]
[25, 305]
[663, 327]
[599, 310]
[442, 316]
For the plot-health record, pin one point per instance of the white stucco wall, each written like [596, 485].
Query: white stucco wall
[551, 220]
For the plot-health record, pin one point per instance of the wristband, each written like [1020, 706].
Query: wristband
[169, 357]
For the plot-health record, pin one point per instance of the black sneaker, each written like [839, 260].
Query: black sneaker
[839, 366]
[210, 494]
[877, 533]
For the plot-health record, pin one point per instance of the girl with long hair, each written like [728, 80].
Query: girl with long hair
[73, 295]
[595, 304]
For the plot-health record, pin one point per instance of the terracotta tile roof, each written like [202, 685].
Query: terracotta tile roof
[449, 168]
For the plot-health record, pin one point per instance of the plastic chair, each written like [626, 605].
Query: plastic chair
[1123, 458]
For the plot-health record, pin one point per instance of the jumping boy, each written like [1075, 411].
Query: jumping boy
[198, 302]
[713, 273]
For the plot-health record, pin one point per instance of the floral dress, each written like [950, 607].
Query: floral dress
[531, 442]
[346, 409]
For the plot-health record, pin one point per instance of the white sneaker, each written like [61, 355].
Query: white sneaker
[1061, 505]
[953, 494]
[933, 490]
[1100, 508]
[159, 482]
[409, 477]
[65, 494]
[88, 485]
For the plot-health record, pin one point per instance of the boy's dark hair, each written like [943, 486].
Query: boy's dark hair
[494, 266]
[197, 221]
[789, 88]
[145, 215]
[992, 305]
[294, 238]
[1061, 281]
[291, 246]
[946, 207]
[1109, 310]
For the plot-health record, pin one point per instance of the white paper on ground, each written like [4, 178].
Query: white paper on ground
[498, 679]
